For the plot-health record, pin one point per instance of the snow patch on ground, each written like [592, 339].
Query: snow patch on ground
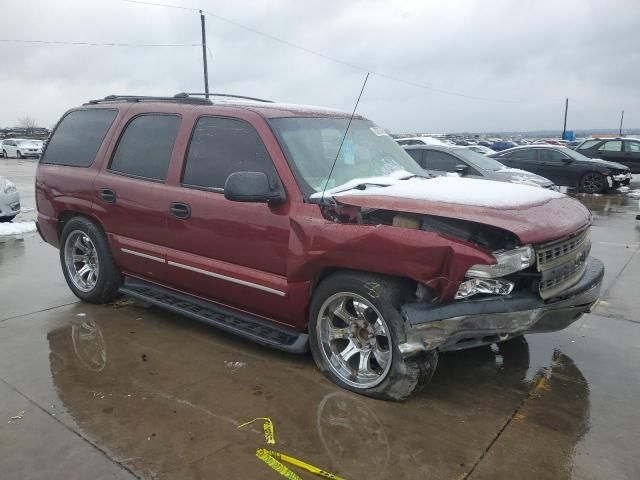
[463, 191]
[16, 228]
[635, 194]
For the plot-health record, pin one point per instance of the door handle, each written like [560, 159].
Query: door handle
[108, 195]
[180, 210]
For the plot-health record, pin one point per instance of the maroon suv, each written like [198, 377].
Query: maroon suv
[296, 228]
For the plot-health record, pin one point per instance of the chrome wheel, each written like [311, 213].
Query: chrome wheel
[81, 260]
[355, 340]
[592, 183]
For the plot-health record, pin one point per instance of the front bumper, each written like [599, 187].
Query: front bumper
[472, 323]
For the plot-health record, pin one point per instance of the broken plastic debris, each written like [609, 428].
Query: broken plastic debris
[234, 365]
[81, 315]
[19, 416]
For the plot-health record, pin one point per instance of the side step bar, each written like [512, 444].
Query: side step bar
[239, 323]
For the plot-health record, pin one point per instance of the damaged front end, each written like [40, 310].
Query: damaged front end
[525, 287]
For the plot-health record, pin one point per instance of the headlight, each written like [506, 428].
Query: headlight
[492, 286]
[9, 186]
[507, 262]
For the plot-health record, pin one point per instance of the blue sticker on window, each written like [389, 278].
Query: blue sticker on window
[348, 155]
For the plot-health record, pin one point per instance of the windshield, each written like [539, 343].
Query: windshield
[478, 160]
[575, 155]
[311, 145]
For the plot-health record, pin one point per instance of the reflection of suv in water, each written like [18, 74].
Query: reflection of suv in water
[231, 212]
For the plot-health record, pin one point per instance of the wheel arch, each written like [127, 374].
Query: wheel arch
[66, 215]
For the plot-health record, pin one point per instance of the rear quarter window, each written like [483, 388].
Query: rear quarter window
[78, 136]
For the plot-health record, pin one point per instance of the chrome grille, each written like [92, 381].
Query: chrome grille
[562, 262]
[549, 253]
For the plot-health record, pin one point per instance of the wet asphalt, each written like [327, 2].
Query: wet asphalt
[123, 391]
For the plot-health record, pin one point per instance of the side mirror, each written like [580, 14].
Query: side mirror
[462, 169]
[567, 160]
[252, 187]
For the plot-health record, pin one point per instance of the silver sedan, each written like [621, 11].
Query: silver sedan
[9, 200]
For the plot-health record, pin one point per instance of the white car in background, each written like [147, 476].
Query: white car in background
[21, 148]
[9, 200]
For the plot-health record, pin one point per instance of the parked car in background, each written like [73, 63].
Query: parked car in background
[622, 150]
[567, 167]
[1, 151]
[443, 160]
[9, 200]
[502, 145]
[351, 252]
[481, 149]
[419, 141]
[484, 143]
[21, 148]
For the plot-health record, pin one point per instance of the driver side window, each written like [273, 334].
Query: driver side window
[222, 146]
[441, 161]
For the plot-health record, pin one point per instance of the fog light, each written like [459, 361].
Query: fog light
[491, 286]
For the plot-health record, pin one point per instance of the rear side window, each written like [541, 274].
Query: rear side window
[615, 146]
[633, 147]
[525, 155]
[416, 155]
[220, 147]
[77, 138]
[145, 147]
[441, 161]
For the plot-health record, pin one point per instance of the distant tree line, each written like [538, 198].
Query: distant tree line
[27, 128]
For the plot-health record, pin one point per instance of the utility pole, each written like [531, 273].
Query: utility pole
[621, 119]
[566, 107]
[204, 54]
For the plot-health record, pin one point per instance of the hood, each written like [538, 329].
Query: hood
[607, 163]
[515, 175]
[533, 214]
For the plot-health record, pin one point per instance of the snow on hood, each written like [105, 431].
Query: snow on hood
[462, 191]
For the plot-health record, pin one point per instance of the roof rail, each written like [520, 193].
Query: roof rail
[187, 95]
[180, 98]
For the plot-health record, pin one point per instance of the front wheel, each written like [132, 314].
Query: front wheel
[19, 154]
[86, 262]
[593, 182]
[7, 219]
[355, 326]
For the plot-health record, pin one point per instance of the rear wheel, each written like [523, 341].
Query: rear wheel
[86, 262]
[593, 182]
[355, 326]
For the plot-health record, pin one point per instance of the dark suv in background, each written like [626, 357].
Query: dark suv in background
[300, 227]
[622, 150]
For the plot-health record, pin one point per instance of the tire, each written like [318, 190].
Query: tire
[5, 154]
[82, 237]
[19, 155]
[593, 182]
[371, 335]
[7, 219]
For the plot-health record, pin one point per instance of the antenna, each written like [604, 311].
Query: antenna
[343, 138]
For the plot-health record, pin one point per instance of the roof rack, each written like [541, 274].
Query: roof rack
[228, 95]
[179, 98]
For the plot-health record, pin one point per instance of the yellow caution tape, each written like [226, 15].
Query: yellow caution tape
[274, 459]
[264, 455]
[269, 433]
[281, 457]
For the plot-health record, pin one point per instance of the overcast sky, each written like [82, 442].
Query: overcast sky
[524, 56]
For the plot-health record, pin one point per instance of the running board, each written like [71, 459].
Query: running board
[239, 323]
